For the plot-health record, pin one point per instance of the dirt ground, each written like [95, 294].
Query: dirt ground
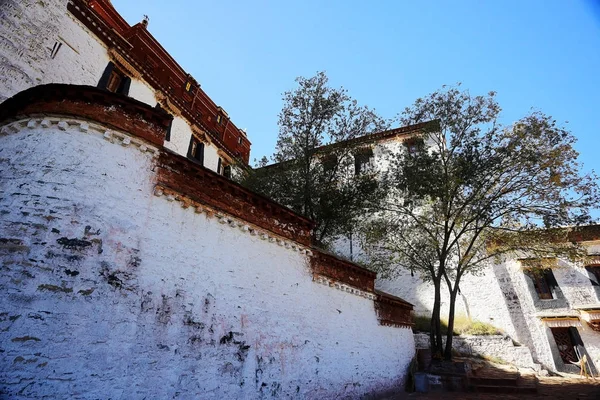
[557, 388]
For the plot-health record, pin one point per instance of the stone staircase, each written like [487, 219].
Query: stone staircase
[488, 377]
[473, 375]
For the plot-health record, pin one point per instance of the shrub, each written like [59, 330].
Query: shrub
[480, 328]
[462, 326]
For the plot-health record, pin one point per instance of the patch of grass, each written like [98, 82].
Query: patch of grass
[480, 328]
[494, 359]
[462, 326]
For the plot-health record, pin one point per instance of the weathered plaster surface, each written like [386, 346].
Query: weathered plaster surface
[111, 292]
[492, 346]
[504, 296]
[29, 30]
[181, 133]
[141, 91]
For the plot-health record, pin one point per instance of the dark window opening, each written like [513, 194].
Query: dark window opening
[565, 343]
[196, 151]
[362, 161]
[114, 80]
[413, 146]
[168, 134]
[227, 171]
[219, 165]
[329, 162]
[544, 282]
[219, 119]
[594, 271]
[55, 49]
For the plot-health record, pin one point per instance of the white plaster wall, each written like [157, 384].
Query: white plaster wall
[211, 156]
[153, 300]
[181, 132]
[28, 31]
[575, 284]
[591, 341]
[481, 298]
[492, 346]
[141, 91]
[500, 294]
[504, 297]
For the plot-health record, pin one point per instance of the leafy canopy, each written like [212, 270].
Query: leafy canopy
[476, 190]
[313, 171]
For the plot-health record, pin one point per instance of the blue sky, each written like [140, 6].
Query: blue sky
[543, 54]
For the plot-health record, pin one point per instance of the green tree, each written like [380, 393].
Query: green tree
[313, 165]
[476, 190]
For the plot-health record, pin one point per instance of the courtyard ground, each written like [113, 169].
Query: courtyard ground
[558, 388]
[493, 381]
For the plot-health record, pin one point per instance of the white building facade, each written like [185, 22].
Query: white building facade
[132, 267]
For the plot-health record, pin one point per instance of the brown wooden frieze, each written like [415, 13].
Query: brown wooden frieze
[392, 310]
[207, 187]
[109, 109]
[343, 271]
[137, 46]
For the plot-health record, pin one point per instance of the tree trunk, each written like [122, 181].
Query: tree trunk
[435, 334]
[449, 334]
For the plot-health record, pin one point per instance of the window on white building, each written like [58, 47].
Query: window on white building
[413, 145]
[594, 272]
[196, 151]
[168, 135]
[544, 282]
[115, 80]
[363, 161]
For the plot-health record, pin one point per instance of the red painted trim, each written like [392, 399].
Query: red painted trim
[109, 109]
[136, 45]
[393, 311]
[586, 233]
[343, 271]
[207, 187]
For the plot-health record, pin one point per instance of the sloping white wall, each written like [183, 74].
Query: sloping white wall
[111, 292]
[29, 30]
[28, 33]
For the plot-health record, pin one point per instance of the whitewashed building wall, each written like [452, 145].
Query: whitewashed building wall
[150, 300]
[31, 29]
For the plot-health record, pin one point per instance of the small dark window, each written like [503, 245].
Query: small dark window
[219, 119]
[413, 146]
[362, 161]
[196, 151]
[227, 171]
[594, 271]
[55, 49]
[239, 140]
[219, 165]
[329, 162]
[543, 281]
[114, 80]
[168, 135]
[564, 338]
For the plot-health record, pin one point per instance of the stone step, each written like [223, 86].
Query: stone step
[503, 389]
[485, 381]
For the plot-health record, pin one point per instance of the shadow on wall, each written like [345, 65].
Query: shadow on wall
[513, 304]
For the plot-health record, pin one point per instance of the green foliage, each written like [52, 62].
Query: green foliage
[313, 171]
[477, 190]
[422, 323]
[480, 328]
[462, 326]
